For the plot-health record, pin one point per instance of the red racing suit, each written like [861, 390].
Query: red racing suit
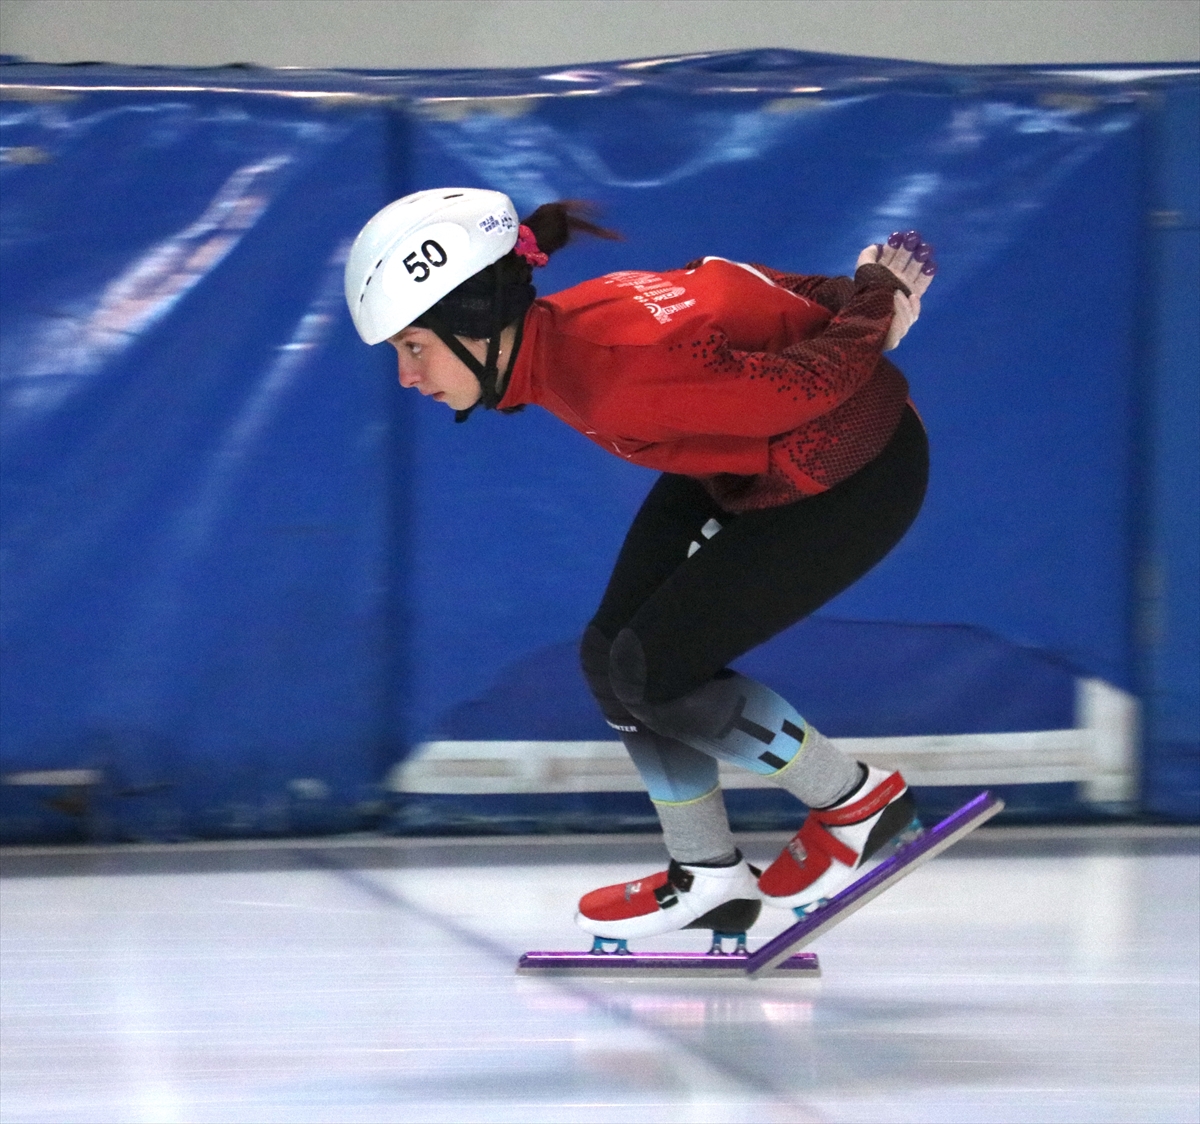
[765, 386]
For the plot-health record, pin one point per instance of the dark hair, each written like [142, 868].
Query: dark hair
[553, 224]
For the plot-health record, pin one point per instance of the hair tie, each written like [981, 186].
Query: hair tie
[527, 247]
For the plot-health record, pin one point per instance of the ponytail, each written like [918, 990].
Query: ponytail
[553, 224]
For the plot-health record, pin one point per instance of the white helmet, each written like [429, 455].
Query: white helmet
[418, 249]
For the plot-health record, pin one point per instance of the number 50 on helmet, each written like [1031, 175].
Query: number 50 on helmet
[418, 249]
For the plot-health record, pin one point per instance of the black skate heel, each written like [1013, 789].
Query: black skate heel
[897, 827]
[621, 949]
[730, 920]
[719, 939]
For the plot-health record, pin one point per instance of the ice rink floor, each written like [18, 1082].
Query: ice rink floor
[1027, 975]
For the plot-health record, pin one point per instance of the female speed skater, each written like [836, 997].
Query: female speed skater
[792, 462]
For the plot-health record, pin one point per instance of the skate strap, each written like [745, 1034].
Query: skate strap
[678, 877]
[677, 881]
[875, 801]
[814, 836]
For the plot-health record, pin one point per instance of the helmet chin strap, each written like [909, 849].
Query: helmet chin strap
[486, 372]
[492, 384]
[491, 388]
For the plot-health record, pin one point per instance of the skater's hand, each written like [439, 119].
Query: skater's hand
[907, 311]
[910, 259]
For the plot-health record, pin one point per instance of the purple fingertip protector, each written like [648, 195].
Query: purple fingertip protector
[912, 240]
[923, 252]
[929, 268]
[896, 240]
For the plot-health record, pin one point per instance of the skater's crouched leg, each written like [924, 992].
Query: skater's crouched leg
[708, 884]
[858, 815]
[681, 781]
[736, 719]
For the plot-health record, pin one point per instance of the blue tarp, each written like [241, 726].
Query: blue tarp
[243, 574]
[1168, 620]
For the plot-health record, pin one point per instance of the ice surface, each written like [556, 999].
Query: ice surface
[1050, 976]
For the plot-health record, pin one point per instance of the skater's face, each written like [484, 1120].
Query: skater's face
[428, 365]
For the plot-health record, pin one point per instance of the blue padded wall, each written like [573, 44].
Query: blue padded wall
[197, 494]
[243, 575]
[1170, 593]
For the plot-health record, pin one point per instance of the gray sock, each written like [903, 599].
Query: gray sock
[697, 831]
[820, 774]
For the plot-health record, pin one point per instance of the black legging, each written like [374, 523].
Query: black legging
[762, 572]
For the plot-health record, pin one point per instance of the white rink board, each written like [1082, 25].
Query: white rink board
[1099, 753]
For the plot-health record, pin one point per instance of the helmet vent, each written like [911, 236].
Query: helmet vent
[458, 196]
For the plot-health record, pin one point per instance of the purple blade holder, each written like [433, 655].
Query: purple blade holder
[659, 965]
[891, 870]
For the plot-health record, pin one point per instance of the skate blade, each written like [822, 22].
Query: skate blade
[900, 864]
[661, 965]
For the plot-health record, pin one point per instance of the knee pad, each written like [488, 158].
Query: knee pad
[594, 659]
[627, 668]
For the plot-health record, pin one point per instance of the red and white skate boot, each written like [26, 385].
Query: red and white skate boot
[838, 843]
[724, 899]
